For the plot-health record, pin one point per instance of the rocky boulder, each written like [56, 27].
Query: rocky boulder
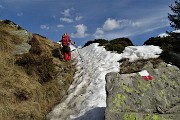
[24, 46]
[130, 97]
[19, 36]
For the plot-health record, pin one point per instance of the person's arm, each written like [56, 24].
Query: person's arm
[60, 40]
[73, 43]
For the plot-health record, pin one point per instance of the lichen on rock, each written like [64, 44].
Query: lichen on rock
[130, 97]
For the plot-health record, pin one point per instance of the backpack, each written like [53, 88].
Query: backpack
[65, 40]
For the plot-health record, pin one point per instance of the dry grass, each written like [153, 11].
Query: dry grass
[8, 25]
[5, 43]
[132, 67]
[43, 66]
[29, 83]
[41, 46]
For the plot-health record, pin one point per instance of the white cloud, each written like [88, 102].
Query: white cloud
[78, 18]
[111, 24]
[19, 14]
[69, 16]
[68, 20]
[60, 26]
[80, 31]
[136, 24]
[99, 33]
[153, 22]
[66, 13]
[113, 28]
[44, 27]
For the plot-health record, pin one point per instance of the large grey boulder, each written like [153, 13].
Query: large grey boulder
[130, 97]
[24, 47]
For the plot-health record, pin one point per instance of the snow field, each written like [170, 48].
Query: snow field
[87, 92]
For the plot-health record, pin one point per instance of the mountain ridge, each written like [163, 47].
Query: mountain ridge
[34, 78]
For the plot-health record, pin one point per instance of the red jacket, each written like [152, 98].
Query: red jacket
[65, 40]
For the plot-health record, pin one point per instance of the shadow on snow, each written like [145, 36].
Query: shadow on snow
[97, 113]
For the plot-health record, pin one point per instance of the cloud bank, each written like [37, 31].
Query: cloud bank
[113, 28]
[68, 20]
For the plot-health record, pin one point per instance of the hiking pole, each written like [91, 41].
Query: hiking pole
[80, 55]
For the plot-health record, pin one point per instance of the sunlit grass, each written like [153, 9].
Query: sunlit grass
[32, 83]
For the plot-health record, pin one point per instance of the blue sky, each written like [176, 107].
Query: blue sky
[86, 20]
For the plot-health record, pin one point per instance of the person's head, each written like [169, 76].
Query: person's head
[65, 34]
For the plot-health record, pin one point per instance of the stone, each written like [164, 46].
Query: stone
[129, 97]
[24, 47]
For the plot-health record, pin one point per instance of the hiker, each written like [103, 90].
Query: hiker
[66, 41]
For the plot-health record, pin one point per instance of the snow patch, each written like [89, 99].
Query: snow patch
[163, 35]
[141, 52]
[166, 35]
[144, 73]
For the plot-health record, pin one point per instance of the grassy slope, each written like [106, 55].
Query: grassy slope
[32, 83]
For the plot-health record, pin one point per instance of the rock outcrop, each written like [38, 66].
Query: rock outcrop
[20, 36]
[130, 97]
[23, 47]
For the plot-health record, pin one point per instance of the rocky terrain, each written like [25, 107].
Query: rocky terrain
[130, 97]
[33, 78]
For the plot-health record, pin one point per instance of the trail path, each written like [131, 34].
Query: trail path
[86, 99]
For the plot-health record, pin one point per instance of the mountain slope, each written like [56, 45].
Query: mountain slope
[32, 77]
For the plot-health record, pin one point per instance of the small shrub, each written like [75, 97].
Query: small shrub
[35, 47]
[9, 22]
[115, 47]
[101, 42]
[117, 44]
[170, 47]
[123, 41]
[176, 46]
[22, 95]
[57, 53]
[166, 43]
[41, 65]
